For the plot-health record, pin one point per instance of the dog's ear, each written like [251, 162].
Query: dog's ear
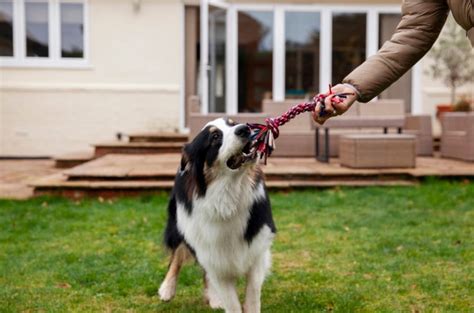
[194, 158]
[184, 160]
[198, 146]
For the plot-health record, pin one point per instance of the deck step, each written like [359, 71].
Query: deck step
[72, 159]
[59, 185]
[118, 174]
[124, 174]
[158, 137]
[162, 167]
[137, 148]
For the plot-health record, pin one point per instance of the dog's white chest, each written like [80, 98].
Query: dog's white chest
[216, 228]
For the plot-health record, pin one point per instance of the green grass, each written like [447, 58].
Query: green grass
[345, 250]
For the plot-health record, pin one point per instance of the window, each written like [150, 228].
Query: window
[348, 43]
[255, 54]
[72, 30]
[217, 59]
[302, 37]
[6, 28]
[43, 33]
[37, 29]
[290, 51]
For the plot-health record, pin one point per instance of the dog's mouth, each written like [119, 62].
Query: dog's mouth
[239, 159]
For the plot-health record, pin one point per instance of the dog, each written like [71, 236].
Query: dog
[219, 213]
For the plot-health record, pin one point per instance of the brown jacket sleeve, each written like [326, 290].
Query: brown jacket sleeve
[419, 28]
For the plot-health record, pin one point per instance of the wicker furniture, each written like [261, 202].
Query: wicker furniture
[418, 125]
[377, 151]
[457, 138]
[323, 147]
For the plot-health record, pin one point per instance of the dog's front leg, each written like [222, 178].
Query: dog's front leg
[168, 286]
[255, 278]
[210, 294]
[227, 293]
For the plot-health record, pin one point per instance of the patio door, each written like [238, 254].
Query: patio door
[214, 47]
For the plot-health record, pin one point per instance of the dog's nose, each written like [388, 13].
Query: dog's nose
[242, 131]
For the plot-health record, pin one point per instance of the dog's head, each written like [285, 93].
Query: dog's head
[219, 149]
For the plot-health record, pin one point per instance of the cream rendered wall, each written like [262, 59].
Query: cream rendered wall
[132, 83]
[434, 92]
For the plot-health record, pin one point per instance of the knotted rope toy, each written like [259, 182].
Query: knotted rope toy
[263, 135]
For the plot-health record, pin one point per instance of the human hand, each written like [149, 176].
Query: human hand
[335, 109]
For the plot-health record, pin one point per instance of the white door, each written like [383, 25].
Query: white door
[214, 15]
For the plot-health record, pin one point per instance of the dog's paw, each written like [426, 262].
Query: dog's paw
[167, 291]
[213, 300]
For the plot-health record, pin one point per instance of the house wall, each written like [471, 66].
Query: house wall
[435, 92]
[132, 83]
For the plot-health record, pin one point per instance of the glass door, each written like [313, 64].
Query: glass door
[255, 58]
[213, 52]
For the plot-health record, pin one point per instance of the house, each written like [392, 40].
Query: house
[74, 72]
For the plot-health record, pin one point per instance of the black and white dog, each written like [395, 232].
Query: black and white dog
[219, 212]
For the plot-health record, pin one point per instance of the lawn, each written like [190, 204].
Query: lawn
[344, 250]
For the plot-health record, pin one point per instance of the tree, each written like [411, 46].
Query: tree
[453, 58]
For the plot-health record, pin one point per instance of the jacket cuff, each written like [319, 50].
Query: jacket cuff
[361, 96]
[353, 88]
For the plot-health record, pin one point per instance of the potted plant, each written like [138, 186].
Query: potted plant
[463, 105]
[452, 58]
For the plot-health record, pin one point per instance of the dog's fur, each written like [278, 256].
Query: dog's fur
[221, 216]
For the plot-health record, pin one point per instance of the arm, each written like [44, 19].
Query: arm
[419, 28]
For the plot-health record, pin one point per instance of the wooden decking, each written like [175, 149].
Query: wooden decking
[117, 174]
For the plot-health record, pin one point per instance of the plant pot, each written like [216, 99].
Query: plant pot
[443, 108]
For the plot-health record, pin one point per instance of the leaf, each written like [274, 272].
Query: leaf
[63, 286]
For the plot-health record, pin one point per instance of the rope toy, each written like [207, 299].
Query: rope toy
[263, 135]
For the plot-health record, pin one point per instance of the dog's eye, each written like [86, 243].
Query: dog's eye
[215, 136]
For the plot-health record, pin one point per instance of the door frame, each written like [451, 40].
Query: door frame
[372, 12]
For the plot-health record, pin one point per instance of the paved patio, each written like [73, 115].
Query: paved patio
[15, 175]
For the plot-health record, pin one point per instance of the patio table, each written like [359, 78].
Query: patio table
[383, 122]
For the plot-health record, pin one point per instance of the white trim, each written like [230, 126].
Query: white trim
[182, 91]
[231, 62]
[219, 3]
[278, 54]
[443, 91]
[372, 31]
[416, 90]
[235, 62]
[80, 87]
[54, 23]
[325, 55]
[21, 25]
[255, 7]
[342, 8]
[54, 59]
[204, 56]
[45, 64]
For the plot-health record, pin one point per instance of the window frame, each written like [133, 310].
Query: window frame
[54, 60]
[326, 11]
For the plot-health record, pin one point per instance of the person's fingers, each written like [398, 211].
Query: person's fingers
[335, 108]
[341, 106]
[317, 114]
[329, 109]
